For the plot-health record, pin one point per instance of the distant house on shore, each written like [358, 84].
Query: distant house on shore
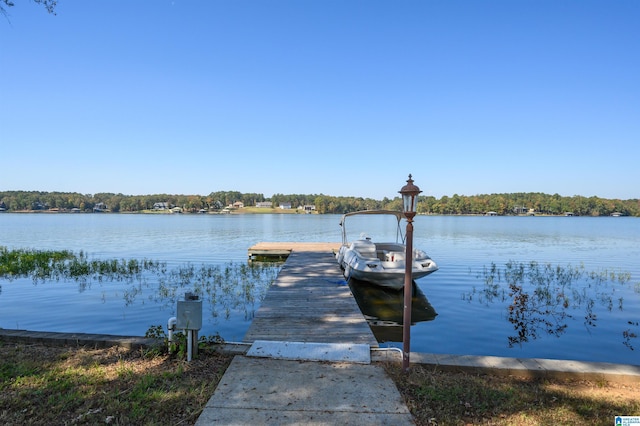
[39, 206]
[100, 207]
[238, 205]
[264, 204]
[285, 206]
[520, 209]
[161, 206]
[308, 208]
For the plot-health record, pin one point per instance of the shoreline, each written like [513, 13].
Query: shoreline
[261, 210]
[474, 364]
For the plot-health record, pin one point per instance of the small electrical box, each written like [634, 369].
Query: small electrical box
[189, 316]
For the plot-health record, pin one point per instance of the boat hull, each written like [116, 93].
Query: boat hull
[388, 272]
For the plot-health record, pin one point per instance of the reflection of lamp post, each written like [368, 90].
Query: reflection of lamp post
[409, 201]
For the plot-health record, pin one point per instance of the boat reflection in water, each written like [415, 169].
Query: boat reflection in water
[383, 309]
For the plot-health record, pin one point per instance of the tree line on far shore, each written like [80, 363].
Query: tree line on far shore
[500, 204]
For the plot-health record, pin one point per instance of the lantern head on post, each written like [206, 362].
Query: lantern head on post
[409, 198]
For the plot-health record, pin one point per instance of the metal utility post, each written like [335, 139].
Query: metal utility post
[189, 319]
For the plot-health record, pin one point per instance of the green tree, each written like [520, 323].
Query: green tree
[321, 204]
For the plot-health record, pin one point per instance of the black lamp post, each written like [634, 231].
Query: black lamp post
[409, 202]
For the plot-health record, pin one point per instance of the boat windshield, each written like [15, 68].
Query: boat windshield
[378, 225]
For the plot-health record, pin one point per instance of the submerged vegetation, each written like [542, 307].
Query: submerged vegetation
[224, 288]
[541, 298]
[55, 265]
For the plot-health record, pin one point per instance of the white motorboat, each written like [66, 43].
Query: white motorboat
[380, 263]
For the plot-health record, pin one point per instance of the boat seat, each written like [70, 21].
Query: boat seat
[394, 256]
[366, 248]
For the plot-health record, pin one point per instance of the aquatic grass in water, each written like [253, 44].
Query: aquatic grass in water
[224, 288]
[35, 263]
[47, 265]
[542, 298]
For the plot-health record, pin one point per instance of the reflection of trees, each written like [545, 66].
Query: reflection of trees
[628, 334]
[543, 298]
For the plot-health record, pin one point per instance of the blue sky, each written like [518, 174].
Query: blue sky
[340, 97]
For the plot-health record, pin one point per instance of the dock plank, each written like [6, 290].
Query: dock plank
[310, 302]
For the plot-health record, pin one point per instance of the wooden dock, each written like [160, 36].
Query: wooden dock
[282, 250]
[309, 301]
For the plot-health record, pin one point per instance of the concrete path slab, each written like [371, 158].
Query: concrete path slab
[261, 391]
[309, 351]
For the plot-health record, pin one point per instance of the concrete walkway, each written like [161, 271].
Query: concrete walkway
[265, 391]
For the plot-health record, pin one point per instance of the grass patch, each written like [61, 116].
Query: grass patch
[53, 385]
[445, 398]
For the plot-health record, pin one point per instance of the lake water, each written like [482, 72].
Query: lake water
[468, 305]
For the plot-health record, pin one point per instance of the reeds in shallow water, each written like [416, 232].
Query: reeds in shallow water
[542, 298]
[224, 288]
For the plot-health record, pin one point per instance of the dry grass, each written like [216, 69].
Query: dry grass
[43, 385]
[445, 398]
[54, 385]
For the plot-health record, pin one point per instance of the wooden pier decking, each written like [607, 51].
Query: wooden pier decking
[281, 250]
[309, 301]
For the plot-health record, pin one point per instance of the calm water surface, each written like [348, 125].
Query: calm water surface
[468, 320]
